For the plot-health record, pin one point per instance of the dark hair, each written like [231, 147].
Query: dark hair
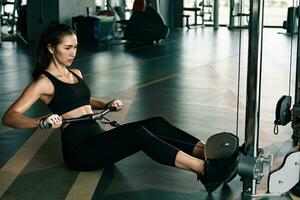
[53, 36]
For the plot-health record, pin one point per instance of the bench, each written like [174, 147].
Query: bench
[186, 20]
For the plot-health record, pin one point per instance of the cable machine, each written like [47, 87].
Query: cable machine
[252, 162]
[252, 159]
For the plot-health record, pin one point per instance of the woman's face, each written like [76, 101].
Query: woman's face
[65, 52]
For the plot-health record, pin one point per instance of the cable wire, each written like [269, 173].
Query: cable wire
[239, 71]
[291, 50]
[260, 68]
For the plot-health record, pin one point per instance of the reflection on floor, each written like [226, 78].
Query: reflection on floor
[190, 79]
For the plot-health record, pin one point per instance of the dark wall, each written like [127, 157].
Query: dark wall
[42, 12]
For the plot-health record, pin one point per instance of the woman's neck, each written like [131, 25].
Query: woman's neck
[59, 70]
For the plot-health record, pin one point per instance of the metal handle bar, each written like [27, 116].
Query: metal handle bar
[95, 116]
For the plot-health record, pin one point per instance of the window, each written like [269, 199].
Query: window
[275, 11]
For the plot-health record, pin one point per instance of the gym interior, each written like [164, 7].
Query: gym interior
[207, 66]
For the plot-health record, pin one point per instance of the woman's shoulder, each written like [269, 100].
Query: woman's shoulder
[42, 79]
[42, 83]
[77, 72]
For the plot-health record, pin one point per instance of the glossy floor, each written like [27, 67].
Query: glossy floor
[191, 79]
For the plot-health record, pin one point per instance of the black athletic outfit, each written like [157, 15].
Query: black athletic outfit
[86, 146]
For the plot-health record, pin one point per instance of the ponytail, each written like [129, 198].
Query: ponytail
[52, 35]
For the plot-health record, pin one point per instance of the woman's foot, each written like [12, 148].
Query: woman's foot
[235, 161]
[218, 171]
[198, 150]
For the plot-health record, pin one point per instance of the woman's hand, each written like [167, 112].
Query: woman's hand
[53, 121]
[117, 104]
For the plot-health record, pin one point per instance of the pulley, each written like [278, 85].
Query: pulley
[283, 112]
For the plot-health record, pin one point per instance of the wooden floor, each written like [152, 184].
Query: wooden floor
[191, 79]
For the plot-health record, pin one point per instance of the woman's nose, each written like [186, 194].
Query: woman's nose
[73, 52]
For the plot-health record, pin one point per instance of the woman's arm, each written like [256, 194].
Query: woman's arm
[14, 116]
[97, 104]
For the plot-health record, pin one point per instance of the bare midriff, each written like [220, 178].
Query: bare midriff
[78, 112]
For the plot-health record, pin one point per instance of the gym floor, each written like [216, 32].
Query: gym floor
[191, 79]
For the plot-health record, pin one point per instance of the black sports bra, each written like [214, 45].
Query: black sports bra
[68, 96]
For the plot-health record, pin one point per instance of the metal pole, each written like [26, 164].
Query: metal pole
[0, 21]
[296, 107]
[231, 18]
[216, 14]
[252, 106]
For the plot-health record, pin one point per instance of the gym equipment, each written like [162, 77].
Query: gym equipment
[206, 10]
[121, 14]
[145, 25]
[95, 116]
[12, 20]
[283, 112]
[87, 28]
[251, 163]
[250, 167]
[290, 24]
[280, 180]
[221, 145]
[92, 28]
[287, 176]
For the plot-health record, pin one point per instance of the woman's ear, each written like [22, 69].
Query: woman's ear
[50, 48]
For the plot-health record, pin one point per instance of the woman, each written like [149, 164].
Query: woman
[85, 146]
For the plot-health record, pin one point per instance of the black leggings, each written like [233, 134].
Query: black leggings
[87, 147]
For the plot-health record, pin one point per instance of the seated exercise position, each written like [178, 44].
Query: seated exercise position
[85, 146]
